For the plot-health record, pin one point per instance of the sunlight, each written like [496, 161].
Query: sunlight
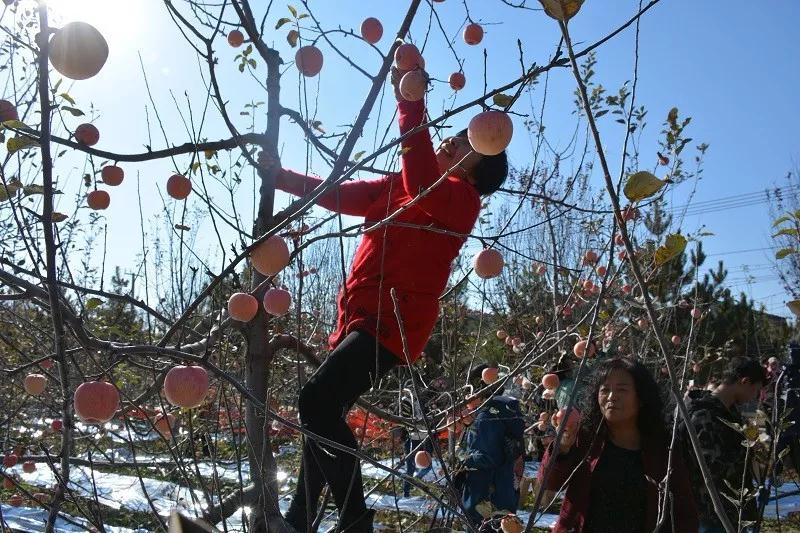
[118, 21]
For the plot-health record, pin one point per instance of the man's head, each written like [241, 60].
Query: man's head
[745, 377]
[486, 173]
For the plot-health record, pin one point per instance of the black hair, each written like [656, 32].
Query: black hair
[744, 367]
[651, 406]
[491, 171]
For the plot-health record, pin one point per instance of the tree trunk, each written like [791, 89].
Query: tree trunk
[265, 514]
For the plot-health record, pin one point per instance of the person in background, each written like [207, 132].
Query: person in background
[415, 439]
[790, 397]
[612, 462]
[772, 371]
[494, 444]
[712, 414]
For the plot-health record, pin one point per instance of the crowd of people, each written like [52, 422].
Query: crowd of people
[612, 463]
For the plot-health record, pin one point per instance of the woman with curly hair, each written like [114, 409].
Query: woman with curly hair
[613, 463]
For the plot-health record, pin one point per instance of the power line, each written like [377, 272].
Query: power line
[744, 251]
[732, 202]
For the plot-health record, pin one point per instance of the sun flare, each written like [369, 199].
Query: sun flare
[117, 20]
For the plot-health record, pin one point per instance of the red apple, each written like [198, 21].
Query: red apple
[488, 263]
[96, 402]
[186, 386]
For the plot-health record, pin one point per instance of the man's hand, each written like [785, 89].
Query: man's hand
[396, 76]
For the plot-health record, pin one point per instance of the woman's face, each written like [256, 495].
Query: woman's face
[772, 365]
[618, 399]
[457, 152]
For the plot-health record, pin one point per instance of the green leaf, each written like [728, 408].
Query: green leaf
[18, 143]
[641, 185]
[302, 16]
[93, 303]
[784, 252]
[485, 509]
[674, 245]
[292, 10]
[502, 100]
[195, 167]
[781, 220]
[672, 116]
[73, 110]
[16, 124]
[9, 190]
[797, 214]
[791, 232]
[733, 425]
[33, 188]
[281, 22]
[358, 155]
[292, 37]
[68, 98]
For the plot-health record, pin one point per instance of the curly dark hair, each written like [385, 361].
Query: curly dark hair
[651, 420]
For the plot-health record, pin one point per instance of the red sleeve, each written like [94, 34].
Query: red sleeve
[561, 469]
[453, 203]
[348, 198]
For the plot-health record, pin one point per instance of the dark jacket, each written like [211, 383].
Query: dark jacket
[722, 450]
[494, 442]
[583, 459]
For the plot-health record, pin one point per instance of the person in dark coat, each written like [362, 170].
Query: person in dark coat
[493, 444]
[613, 461]
[712, 413]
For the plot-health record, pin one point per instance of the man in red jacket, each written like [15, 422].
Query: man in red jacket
[406, 254]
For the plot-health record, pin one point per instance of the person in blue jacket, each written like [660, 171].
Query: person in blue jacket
[493, 444]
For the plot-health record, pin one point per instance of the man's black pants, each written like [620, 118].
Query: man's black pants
[349, 371]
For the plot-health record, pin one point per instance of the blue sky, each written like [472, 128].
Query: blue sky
[732, 65]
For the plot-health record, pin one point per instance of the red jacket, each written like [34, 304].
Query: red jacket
[413, 260]
[585, 455]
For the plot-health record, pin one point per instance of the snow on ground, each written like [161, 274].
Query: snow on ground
[34, 520]
[119, 491]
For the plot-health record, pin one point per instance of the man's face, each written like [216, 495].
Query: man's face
[748, 391]
[457, 152]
